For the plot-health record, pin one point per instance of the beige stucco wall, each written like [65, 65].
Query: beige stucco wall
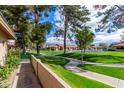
[3, 48]
[47, 78]
[6, 33]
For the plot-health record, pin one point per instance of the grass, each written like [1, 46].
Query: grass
[100, 57]
[51, 52]
[117, 72]
[33, 52]
[27, 55]
[74, 80]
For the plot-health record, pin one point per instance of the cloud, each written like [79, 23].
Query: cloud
[57, 15]
[58, 40]
[107, 38]
[58, 19]
[54, 40]
[100, 36]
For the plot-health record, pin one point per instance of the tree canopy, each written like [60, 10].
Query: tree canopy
[24, 20]
[73, 16]
[84, 37]
[112, 17]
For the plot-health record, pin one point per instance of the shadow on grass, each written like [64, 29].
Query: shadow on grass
[27, 55]
[54, 61]
[84, 66]
[48, 60]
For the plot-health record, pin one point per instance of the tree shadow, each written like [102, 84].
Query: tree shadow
[55, 61]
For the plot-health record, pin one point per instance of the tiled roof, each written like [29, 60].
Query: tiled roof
[61, 45]
[118, 44]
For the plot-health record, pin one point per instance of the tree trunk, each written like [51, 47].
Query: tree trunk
[81, 56]
[37, 49]
[23, 44]
[84, 50]
[65, 42]
[65, 33]
[24, 49]
[36, 17]
[36, 22]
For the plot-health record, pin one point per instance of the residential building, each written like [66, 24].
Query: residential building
[118, 46]
[60, 47]
[5, 35]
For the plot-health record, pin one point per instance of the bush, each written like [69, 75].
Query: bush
[110, 49]
[12, 61]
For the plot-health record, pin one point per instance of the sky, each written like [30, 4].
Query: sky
[100, 37]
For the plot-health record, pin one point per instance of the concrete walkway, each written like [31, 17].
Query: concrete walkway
[87, 62]
[72, 66]
[26, 77]
[98, 64]
[110, 65]
[114, 82]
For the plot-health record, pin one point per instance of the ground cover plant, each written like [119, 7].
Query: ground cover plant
[12, 62]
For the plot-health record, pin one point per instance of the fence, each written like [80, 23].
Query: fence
[48, 79]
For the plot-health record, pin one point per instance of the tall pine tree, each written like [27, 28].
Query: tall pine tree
[73, 16]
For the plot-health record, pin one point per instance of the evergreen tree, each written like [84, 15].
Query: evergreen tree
[35, 14]
[73, 16]
[16, 19]
[103, 45]
[112, 17]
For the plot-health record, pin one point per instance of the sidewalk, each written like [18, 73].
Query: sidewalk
[114, 82]
[26, 77]
[72, 66]
[97, 64]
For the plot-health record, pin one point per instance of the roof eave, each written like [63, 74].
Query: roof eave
[6, 27]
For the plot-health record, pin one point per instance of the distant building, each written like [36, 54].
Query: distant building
[60, 47]
[118, 46]
[68, 47]
[5, 35]
[93, 46]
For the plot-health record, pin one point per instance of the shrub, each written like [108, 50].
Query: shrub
[12, 61]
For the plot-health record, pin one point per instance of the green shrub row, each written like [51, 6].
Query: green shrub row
[12, 62]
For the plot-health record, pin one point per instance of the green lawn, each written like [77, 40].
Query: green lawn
[102, 57]
[117, 72]
[74, 80]
[27, 55]
[51, 52]
[48, 52]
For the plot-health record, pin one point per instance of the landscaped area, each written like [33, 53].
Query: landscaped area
[50, 52]
[107, 57]
[61, 39]
[74, 80]
[100, 57]
[117, 72]
[12, 63]
[42, 52]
